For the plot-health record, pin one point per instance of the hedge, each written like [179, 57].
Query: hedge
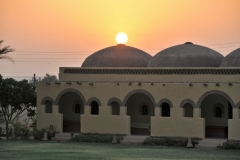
[98, 138]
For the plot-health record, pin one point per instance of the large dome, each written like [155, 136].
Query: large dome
[118, 56]
[186, 55]
[232, 59]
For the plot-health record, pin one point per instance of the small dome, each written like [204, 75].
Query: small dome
[186, 55]
[232, 59]
[118, 56]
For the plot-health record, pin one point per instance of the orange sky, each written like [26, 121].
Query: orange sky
[77, 28]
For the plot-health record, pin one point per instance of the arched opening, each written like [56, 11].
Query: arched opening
[71, 106]
[188, 110]
[48, 106]
[94, 108]
[216, 108]
[140, 121]
[165, 109]
[77, 108]
[115, 108]
[144, 110]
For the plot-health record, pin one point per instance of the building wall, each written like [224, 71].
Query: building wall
[176, 88]
[207, 109]
[134, 105]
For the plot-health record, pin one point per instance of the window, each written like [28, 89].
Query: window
[188, 110]
[115, 108]
[218, 110]
[144, 110]
[77, 108]
[48, 106]
[94, 108]
[165, 110]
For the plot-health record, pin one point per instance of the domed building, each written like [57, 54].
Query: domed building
[232, 59]
[186, 55]
[185, 90]
[118, 56]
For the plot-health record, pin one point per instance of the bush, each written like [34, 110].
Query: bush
[39, 134]
[230, 145]
[98, 138]
[20, 130]
[1, 131]
[170, 141]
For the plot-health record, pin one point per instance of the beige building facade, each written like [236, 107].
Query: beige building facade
[175, 100]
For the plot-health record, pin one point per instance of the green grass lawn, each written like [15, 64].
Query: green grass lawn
[10, 149]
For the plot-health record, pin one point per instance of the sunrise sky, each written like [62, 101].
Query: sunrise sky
[48, 34]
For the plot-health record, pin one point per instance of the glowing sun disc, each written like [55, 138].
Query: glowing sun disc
[121, 38]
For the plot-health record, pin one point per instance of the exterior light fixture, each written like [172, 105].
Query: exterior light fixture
[69, 82]
[117, 83]
[217, 84]
[190, 84]
[80, 83]
[163, 84]
[91, 83]
[152, 83]
[139, 83]
[205, 84]
[230, 84]
[130, 83]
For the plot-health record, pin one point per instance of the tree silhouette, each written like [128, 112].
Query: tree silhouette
[4, 51]
[49, 78]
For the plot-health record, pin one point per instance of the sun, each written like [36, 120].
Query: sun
[121, 38]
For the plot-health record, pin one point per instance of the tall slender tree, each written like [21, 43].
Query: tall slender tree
[4, 51]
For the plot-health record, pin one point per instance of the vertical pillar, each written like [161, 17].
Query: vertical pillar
[235, 113]
[87, 110]
[123, 110]
[158, 111]
[55, 109]
[196, 112]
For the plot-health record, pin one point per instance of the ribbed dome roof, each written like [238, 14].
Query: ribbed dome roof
[232, 59]
[186, 55]
[118, 56]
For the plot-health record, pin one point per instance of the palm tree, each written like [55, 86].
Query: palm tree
[4, 51]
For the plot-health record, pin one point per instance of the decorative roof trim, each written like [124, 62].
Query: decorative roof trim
[47, 98]
[139, 91]
[164, 100]
[93, 99]
[114, 99]
[152, 71]
[69, 90]
[199, 102]
[185, 101]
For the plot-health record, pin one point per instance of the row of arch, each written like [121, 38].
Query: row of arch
[114, 99]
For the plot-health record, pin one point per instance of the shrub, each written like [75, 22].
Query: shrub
[169, 141]
[20, 130]
[98, 138]
[39, 134]
[1, 131]
[230, 145]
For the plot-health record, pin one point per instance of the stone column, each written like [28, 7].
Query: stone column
[158, 111]
[235, 113]
[123, 110]
[87, 110]
[196, 112]
[55, 109]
